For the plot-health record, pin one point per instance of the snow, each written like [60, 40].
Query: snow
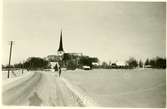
[15, 92]
[13, 74]
[43, 89]
[15, 79]
[122, 88]
[105, 88]
[87, 101]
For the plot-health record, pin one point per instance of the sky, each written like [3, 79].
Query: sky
[111, 31]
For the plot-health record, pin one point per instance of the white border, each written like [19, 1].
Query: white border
[25, 107]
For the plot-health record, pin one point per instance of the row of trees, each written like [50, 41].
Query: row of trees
[157, 62]
[32, 63]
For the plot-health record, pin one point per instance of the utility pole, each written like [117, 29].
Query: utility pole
[11, 44]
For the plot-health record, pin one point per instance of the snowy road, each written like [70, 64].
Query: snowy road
[44, 89]
[125, 88]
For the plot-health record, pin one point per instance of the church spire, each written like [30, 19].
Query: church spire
[61, 43]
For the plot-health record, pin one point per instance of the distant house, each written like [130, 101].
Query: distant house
[120, 63]
[95, 63]
[52, 64]
[86, 67]
[147, 66]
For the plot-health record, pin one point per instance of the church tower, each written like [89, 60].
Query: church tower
[60, 51]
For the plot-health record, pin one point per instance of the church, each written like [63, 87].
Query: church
[61, 57]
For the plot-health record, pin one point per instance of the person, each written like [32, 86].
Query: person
[59, 71]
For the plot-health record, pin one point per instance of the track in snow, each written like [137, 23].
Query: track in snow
[43, 89]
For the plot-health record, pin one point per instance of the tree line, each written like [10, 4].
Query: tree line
[157, 62]
[74, 61]
[69, 61]
[31, 63]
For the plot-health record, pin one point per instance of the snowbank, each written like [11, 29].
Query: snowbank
[16, 90]
[12, 82]
[83, 98]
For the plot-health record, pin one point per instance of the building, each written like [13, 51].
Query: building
[120, 63]
[52, 58]
[60, 52]
[66, 60]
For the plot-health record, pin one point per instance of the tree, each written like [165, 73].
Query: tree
[159, 63]
[85, 61]
[35, 63]
[94, 59]
[104, 65]
[147, 62]
[140, 63]
[152, 62]
[66, 57]
[71, 65]
[74, 61]
[132, 62]
[19, 65]
[70, 61]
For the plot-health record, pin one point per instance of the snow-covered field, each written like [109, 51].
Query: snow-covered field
[98, 87]
[122, 88]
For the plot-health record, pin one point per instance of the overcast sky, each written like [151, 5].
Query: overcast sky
[108, 30]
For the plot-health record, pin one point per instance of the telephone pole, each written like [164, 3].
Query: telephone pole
[11, 44]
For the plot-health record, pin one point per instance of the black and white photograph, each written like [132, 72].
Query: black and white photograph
[83, 54]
